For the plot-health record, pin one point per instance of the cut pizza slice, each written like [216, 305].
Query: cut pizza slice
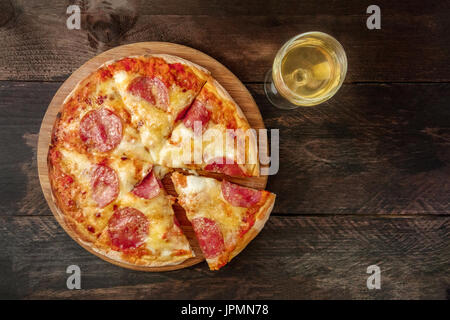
[87, 187]
[143, 229]
[95, 121]
[118, 207]
[224, 215]
[157, 90]
[213, 135]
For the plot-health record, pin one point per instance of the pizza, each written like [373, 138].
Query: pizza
[225, 216]
[215, 128]
[127, 125]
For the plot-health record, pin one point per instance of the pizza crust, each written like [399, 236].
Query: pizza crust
[253, 149]
[199, 70]
[261, 219]
[148, 263]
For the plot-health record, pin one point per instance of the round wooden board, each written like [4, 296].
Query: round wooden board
[224, 76]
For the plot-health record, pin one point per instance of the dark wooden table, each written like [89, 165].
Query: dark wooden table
[364, 178]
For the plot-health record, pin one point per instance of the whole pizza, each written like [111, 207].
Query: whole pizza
[125, 127]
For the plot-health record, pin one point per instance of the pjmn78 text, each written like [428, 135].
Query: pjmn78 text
[234, 309]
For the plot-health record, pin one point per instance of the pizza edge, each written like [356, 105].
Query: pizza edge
[141, 261]
[262, 216]
[224, 95]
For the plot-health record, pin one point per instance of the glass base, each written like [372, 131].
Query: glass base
[274, 96]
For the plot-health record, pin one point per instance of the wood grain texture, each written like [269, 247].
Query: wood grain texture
[236, 89]
[6, 12]
[366, 151]
[293, 258]
[412, 45]
[363, 178]
[372, 148]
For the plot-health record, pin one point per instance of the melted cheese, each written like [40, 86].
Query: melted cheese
[154, 126]
[77, 165]
[179, 100]
[122, 79]
[198, 185]
[158, 210]
[131, 146]
[202, 197]
[160, 215]
[160, 171]
[217, 144]
[177, 152]
[185, 148]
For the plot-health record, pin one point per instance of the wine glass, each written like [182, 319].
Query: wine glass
[308, 70]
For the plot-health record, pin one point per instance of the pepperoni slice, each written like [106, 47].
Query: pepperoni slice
[197, 112]
[128, 228]
[151, 89]
[101, 129]
[105, 185]
[240, 196]
[209, 236]
[149, 187]
[220, 165]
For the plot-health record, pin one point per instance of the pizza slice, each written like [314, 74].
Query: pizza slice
[224, 215]
[118, 207]
[143, 229]
[94, 120]
[157, 90]
[213, 135]
[86, 187]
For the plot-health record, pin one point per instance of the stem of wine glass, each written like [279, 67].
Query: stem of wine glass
[274, 95]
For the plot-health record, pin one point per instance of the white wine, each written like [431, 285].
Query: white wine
[309, 69]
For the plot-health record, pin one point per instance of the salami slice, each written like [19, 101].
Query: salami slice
[151, 89]
[149, 187]
[105, 185]
[209, 236]
[101, 129]
[128, 228]
[197, 112]
[239, 196]
[222, 165]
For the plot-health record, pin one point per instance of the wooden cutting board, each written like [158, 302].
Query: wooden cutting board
[228, 80]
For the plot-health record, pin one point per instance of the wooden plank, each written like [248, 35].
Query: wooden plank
[411, 45]
[293, 258]
[239, 8]
[22, 107]
[368, 150]
[371, 148]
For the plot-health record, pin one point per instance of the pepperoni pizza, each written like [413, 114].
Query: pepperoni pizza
[119, 132]
[224, 215]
